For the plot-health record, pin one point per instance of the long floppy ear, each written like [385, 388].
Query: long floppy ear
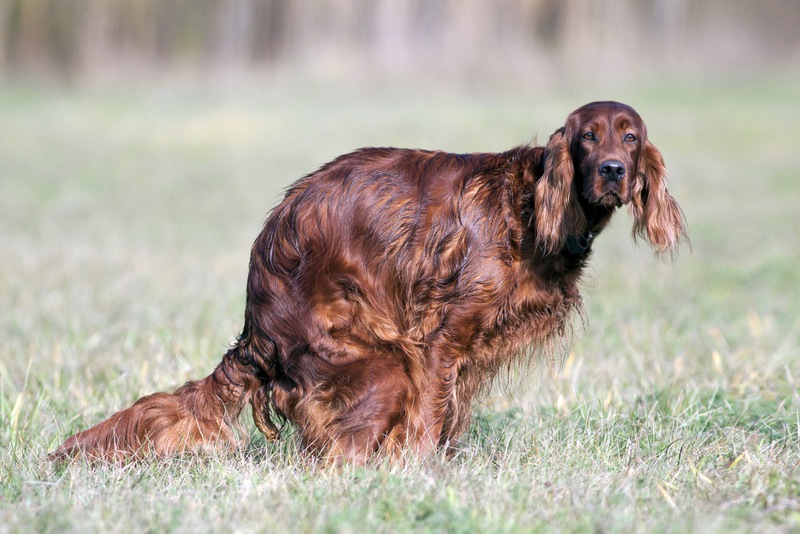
[656, 215]
[555, 202]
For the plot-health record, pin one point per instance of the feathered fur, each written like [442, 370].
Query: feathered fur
[389, 287]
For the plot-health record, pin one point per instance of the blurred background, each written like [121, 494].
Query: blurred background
[143, 143]
[544, 42]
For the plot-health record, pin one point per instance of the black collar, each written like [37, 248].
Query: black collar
[577, 245]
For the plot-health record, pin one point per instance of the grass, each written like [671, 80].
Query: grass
[126, 218]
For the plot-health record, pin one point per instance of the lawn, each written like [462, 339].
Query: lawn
[126, 218]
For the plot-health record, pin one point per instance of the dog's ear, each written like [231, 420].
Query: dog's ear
[656, 215]
[555, 202]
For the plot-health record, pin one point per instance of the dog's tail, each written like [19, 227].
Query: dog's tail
[200, 415]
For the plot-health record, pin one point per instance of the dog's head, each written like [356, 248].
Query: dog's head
[600, 160]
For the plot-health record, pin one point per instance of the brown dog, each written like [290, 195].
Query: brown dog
[390, 286]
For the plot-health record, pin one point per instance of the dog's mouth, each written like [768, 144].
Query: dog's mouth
[610, 199]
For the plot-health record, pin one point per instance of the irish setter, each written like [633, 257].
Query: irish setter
[391, 285]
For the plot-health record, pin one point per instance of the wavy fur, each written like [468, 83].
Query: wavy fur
[390, 286]
[657, 216]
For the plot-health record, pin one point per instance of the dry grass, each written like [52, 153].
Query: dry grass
[125, 224]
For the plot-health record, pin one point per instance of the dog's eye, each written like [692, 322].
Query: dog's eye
[589, 136]
[629, 138]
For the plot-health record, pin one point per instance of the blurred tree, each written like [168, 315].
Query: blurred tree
[74, 38]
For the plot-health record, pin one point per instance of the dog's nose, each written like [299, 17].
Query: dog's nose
[612, 170]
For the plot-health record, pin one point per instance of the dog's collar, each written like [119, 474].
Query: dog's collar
[577, 245]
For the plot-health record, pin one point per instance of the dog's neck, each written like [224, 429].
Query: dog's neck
[579, 244]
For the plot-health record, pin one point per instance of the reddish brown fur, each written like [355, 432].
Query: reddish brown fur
[390, 286]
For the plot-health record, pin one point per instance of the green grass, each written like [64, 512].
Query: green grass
[126, 218]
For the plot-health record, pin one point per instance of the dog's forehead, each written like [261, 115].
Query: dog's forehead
[616, 113]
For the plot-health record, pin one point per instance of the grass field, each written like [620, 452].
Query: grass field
[126, 218]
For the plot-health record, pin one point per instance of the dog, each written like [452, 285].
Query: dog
[390, 286]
